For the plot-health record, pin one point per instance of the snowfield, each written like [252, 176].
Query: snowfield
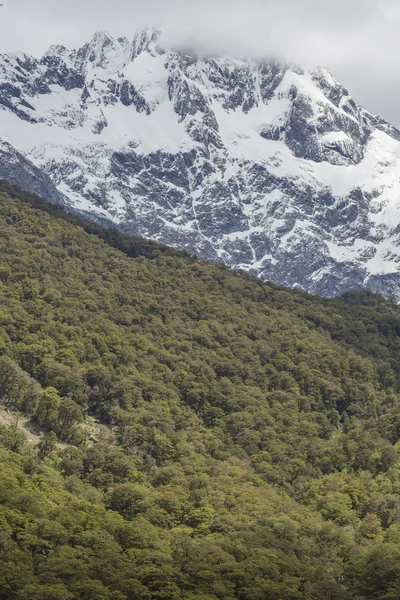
[267, 167]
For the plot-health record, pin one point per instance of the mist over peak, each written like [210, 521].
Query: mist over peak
[357, 39]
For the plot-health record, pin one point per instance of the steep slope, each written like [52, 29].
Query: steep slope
[260, 165]
[240, 450]
[16, 169]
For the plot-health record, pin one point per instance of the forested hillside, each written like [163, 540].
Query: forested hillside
[203, 435]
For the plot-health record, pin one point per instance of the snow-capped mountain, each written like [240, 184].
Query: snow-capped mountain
[264, 166]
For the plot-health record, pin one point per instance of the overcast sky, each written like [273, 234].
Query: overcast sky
[357, 39]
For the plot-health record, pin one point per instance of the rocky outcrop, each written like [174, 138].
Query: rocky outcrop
[16, 169]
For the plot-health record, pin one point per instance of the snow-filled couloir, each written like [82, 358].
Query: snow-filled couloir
[264, 166]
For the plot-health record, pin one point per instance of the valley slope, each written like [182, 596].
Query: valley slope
[204, 435]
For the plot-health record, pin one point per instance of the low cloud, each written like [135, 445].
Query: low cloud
[357, 39]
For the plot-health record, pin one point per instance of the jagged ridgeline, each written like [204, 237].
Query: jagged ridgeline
[262, 165]
[192, 432]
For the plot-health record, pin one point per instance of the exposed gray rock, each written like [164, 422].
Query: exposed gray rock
[265, 166]
[16, 169]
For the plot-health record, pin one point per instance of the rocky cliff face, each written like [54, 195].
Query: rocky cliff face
[14, 167]
[264, 166]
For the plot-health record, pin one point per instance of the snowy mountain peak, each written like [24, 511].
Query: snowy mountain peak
[56, 50]
[265, 166]
[143, 39]
[102, 51]
[101, 39]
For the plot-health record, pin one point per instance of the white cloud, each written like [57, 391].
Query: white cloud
[357, 39]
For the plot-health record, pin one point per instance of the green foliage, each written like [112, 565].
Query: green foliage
[12, 437]
[205, 435]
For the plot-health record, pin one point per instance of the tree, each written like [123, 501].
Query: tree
[47, 409]
[129, 499]
[47, 444]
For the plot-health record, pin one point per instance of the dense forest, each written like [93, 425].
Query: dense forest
[174, 430]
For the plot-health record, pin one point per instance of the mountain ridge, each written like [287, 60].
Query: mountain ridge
[264, 166]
